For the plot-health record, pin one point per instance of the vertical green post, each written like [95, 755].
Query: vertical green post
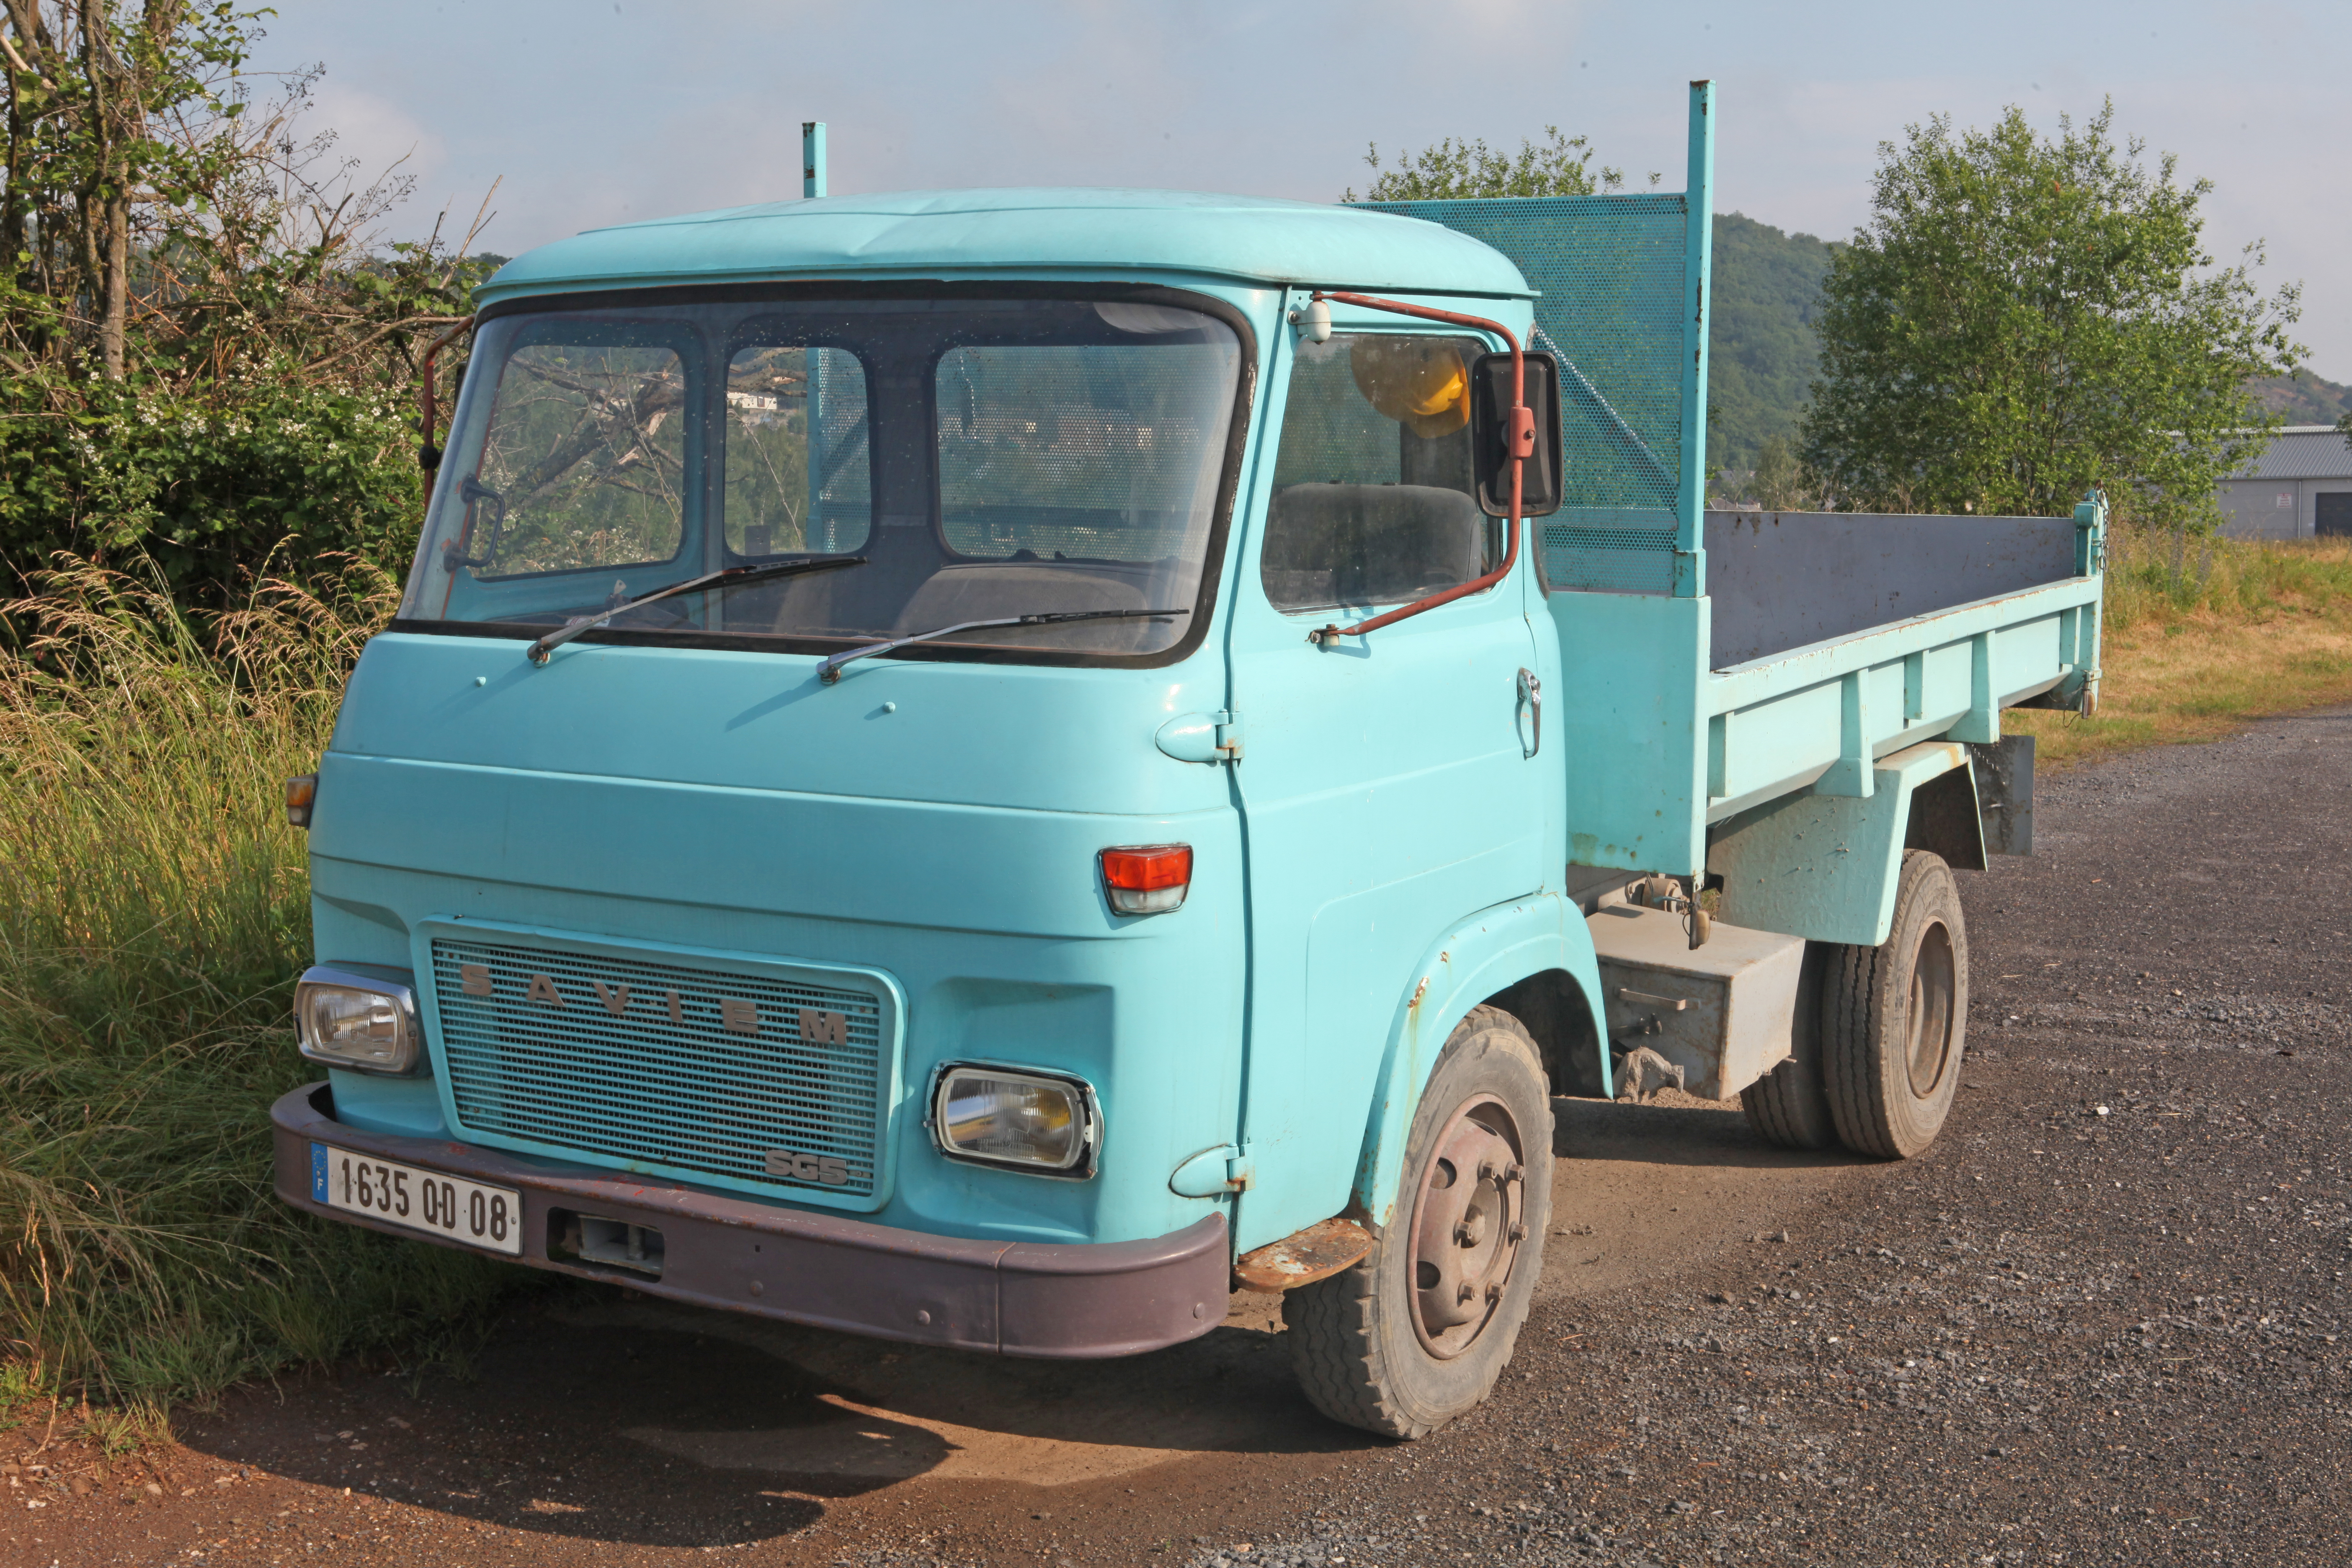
[812, 157]
[1698, 261]
[814, 365]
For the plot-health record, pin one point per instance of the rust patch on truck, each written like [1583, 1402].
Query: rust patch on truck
[1301, 1258]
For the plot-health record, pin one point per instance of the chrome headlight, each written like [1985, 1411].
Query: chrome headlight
[1016, 1116]
[364, 1019]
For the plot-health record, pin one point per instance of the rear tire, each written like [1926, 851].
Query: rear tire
[1788, 1106]
[1895, 1019]
[1416, 1332]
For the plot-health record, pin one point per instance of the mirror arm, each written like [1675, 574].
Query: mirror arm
[1520, 433]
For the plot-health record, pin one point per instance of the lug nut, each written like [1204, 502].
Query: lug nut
[1493, 1294]
[1519, 1230]
[1466, 1292]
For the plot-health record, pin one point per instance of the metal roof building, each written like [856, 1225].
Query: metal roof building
[2300, 489]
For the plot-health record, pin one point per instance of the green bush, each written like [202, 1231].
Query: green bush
[207, 485]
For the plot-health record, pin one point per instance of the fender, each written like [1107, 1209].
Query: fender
[1824, 867]
[1486, 952]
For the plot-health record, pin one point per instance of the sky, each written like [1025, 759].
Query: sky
[587, 112]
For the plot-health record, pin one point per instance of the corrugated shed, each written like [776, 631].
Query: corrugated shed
[2303, 452]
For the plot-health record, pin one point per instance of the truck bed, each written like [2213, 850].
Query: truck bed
[1714, 662]
[1825, 642]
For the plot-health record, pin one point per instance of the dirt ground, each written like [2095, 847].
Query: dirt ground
[2103, 1321]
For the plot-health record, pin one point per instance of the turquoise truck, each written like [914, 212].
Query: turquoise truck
[986, 767]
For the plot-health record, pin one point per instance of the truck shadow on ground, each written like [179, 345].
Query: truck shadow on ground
[1645, 1192]
[600, 1414]
[1677, 1128]
[595, 1415]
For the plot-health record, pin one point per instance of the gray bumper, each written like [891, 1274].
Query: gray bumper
[1017, 1297]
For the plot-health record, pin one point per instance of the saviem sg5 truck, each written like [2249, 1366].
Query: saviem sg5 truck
[982, 767]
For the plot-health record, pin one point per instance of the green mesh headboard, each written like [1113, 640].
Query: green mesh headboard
[1610, 269]
[1615, 305]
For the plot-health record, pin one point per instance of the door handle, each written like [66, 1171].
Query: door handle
[1531, 693]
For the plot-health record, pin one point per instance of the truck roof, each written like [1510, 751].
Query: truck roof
[1021, 232]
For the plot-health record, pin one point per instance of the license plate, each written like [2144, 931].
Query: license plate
[428, 1201]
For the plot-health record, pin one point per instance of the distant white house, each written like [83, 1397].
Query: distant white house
[2300, 489]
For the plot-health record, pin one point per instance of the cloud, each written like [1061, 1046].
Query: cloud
[374, 132]
[596, 114]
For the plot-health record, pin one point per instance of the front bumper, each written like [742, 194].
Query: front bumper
[1027, 1298]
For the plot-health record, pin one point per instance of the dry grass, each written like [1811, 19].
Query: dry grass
[154, 908]
[2197, 644]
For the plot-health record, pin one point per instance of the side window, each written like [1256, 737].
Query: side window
[1373, 500]
[584, 463]
[799, 472]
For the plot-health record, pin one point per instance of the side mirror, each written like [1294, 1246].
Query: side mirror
[1490, 419]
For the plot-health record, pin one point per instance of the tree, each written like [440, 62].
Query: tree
[1455, 171]
[203, 352]
[2024, 317]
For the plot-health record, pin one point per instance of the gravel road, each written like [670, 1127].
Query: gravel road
[2103, 1321]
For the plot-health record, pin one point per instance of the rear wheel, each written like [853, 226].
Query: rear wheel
[1787, 1105]
[1416, 1334]
[1895, 1019]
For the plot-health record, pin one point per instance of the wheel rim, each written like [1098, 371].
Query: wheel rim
[1468, 1223]
[1933, 975]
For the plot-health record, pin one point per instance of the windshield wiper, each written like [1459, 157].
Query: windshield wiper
[830, 671]
[729, 577]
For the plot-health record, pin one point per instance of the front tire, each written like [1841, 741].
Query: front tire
[1416, 1332]
[1895, 1019]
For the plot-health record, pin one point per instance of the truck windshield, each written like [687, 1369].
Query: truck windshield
[989, 457]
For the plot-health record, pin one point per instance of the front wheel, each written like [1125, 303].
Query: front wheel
[1895, 1019]
[1416, 1332]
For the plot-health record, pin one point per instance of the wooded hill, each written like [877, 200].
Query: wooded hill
[1761, 348]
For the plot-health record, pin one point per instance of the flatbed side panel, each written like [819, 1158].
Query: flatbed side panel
[1743, 686]
[1631, 729]
[1823, 720]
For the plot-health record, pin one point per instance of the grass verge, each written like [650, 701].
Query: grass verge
[153, 914]
[2200, 640]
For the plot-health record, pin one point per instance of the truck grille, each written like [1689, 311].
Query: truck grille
[737, 1080]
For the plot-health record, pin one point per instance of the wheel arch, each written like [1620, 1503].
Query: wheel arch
[1533, 949]
[1824, 867]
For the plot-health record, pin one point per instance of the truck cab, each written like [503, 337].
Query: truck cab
[1001, 988]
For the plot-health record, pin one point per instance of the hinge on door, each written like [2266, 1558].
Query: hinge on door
[1212, 1173]
[1229, 733]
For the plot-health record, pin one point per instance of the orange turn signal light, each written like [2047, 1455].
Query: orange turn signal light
[1147, 879]
[301, 793]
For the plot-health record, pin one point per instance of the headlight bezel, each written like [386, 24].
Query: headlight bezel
[408, 1056]
[1086, 1110]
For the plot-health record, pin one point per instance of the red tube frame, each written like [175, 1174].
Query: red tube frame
[1520, 435]
[428, 455]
